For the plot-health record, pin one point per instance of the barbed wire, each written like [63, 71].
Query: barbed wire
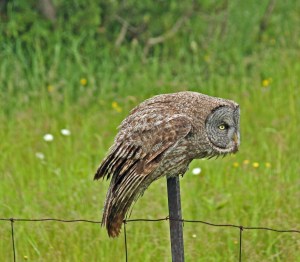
[240, 227]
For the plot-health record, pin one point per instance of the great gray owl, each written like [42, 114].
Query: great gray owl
[160, 137]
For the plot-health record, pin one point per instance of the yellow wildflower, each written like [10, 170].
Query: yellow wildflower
[116, 106]
[255, 164]
[265, 82]
[246, 162]
[235, 164]
[268, 164]
[83, 81]
[50, 88]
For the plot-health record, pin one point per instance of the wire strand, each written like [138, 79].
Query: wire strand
[241, 228]
[151, 220]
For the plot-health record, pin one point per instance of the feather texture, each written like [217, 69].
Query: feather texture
[160, 137]
[131, 165]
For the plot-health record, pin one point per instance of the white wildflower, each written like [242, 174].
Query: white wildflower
[194, 235]
[40, 155]
[48, 137]
[65, 132]
[196, 171]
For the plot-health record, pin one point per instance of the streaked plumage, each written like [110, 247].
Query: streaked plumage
[160, 137]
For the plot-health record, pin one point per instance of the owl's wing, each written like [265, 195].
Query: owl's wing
[143, 146]
[131, 162]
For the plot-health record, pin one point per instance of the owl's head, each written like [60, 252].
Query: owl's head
[222, 129]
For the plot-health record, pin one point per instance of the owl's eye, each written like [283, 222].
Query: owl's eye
[222, 126]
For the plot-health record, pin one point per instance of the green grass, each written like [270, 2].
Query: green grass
[61, 185]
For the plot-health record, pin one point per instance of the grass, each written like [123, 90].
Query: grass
[42, 93]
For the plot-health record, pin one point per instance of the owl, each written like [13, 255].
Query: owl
[160, 137]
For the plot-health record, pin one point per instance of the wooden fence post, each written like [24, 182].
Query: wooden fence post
[176, 227]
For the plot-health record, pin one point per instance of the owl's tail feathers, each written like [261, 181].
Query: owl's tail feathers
[120, 198]
[124, 165]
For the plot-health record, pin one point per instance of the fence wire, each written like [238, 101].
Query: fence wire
[241, 228]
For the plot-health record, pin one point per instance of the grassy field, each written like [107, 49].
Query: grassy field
[90, 91]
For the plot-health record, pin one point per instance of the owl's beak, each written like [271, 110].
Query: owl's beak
[235, 138]
[236, 141]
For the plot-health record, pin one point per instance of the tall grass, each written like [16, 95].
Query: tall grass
[42, 92]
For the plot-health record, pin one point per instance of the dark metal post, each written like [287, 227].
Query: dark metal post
[176, 230]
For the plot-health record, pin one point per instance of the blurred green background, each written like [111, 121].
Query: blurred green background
[74, 70]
